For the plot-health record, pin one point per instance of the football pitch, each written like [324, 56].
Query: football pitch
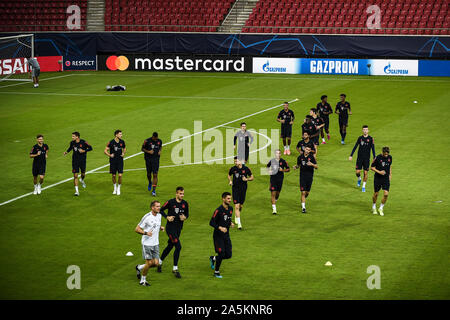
[274, 257]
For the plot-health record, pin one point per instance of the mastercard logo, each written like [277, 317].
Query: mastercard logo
[117, 63]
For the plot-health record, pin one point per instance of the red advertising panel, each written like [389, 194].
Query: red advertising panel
[20, 65]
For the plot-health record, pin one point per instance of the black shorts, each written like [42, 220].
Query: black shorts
[362, 163]
[326, 120]
[343, 121]
[116, 166]
[222, 244]
[174, 235]
[39, 169]
[276, 184]
[239, 194]
[286, 131]
[381, 183]
[78, 166]
[152, 165]
[315, 140]
[306, 181]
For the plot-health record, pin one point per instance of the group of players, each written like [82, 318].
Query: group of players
[315, 123]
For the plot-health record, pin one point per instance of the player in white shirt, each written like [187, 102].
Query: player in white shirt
[149, 228]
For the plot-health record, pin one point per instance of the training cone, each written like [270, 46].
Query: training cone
[129, 254]
[328, 264]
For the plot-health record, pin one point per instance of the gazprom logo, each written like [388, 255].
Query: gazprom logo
[267, 68]
[389, 70]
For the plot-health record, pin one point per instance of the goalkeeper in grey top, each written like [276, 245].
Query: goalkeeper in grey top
[245, 139]
[35, 69]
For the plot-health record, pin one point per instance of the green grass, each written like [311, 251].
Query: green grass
[275, 257]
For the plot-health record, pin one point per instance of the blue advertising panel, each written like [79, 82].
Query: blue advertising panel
[434, 68]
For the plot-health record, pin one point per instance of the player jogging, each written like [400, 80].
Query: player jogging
[39, 154]
[79, 148]
[306, 142]
[245, 139]
[177, 213]
[238, 175]
[35, 70]
[382, 166]
[343, 110]
[324, 112]
[115, 150]
[365, 144]
[307, 163]
[152, 151]
[319, 124]
[277, 167]
[221, 222]
[149, 228]
[286, 118]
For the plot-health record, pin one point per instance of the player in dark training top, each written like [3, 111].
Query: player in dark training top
[319, 124]
[382, 166]
[286, 118]
[276, 167]
[238, 175]
[325, 110]
[365, 144]
[343, 110]
[221, 221]
[308, 126]
[39, 154]
[177, 213]
[79, 148]
[306, 142]
[307, 164]
[152, 151]
[115, 150]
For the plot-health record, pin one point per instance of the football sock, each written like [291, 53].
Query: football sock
[274, 208]
[175, 268]
[364, 184]
[160, 262]
[141, 266]
[303, 205]
[76, 188]
[143, 278]
[154, 187]
[374, 206]
[238, 220]
[381, 205]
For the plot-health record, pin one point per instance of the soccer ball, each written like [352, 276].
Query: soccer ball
[108, 87]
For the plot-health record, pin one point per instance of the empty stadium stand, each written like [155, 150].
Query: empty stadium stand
[405, 17]
[165, 15]
[38, 15]
[349, 17]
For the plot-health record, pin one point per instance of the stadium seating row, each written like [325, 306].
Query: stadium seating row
[429, 17]
[38, 15]
[342, 16]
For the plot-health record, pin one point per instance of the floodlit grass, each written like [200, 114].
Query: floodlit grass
[274, 257]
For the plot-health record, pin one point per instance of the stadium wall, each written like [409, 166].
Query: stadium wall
[90, 44]
[314, 54]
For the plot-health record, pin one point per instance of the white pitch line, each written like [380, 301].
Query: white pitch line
[164, 144]
[207, 161]
[320, 77]
[18, 84]
[138, 96]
